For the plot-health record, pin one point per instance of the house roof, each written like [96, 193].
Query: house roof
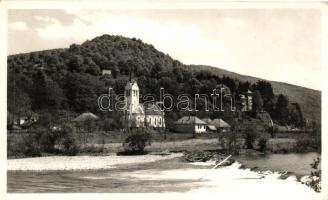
[211, 127]
[207, 120]
[86, 116]
[190, 120]
[219, 123]
[153, 109]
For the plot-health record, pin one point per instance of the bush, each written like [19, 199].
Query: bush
[304, 144]
[272, 130]
[67, 140]
[31, 147]
[250, 137]
[22, 146]
[262, 144]
[136, 142]
[70, 146]
[315, 182]
[42, 140]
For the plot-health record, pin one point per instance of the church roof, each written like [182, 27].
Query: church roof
[190, 120]
[130, 84]
[153, 109]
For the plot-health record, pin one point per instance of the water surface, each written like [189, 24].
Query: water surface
[123, 178]
[298, 164]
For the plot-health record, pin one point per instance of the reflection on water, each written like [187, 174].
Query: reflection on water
[298, 164]
[123, 178]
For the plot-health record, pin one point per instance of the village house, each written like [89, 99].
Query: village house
[246, 101]
[138, 115]
[190, 124]
[209, 128]
[106, 72]
[220, 125]
[25, 120]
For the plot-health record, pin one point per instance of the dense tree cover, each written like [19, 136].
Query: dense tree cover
[70, 79]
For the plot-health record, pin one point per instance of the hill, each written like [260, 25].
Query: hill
[70, 78]
[309, 99]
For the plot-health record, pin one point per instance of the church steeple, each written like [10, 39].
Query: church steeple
[132, 95]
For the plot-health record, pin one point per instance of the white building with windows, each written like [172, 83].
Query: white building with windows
[246, 101]
[138, 115]
[190, 124]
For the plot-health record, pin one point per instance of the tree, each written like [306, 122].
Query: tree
[262, 144]
[233, 147]
[137, 141]
[243, 87]
[316, 135]
[265, 90]
[296, 115]
[19, 104]
[76, 63]
[82, 92]
[257, 101]
[46, 93]
[115, 71]
[282, 111]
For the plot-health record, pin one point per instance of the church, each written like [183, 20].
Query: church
[137, 115]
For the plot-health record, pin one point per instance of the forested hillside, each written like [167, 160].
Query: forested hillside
[309, 99]
[70, 80]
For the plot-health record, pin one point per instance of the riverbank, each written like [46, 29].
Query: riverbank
[53, 163]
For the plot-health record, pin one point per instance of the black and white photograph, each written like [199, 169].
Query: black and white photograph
[196, 99]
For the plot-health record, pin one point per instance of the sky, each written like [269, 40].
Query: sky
[280, 44]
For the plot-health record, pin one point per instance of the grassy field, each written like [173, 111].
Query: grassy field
[173, 146]
[111, 142]
[185, 142]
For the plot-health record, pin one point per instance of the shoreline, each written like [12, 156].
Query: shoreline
[80, 163]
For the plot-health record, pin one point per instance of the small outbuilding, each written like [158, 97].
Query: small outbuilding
[220, 125]
[87, 116]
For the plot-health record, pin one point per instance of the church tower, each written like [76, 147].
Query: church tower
[131, 92]
[134, 111]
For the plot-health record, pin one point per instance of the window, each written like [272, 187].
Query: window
[155, 121]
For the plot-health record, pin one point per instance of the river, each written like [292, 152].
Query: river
[143, 177]
[298, 164]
